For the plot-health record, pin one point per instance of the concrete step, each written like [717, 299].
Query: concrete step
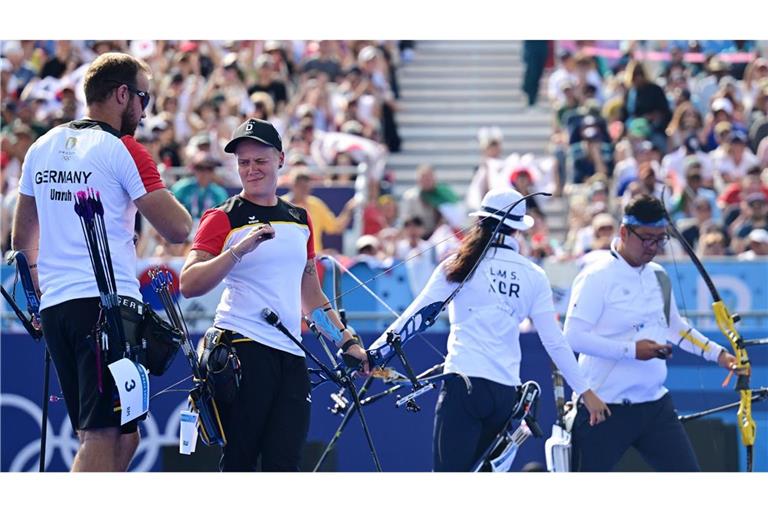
[510, 129]
[467, 160]
[475, 47]
[471, 105]
[459, 60]
[497, 94]
[439, 71]
[437, 146]
[410, 118]
[461, 82]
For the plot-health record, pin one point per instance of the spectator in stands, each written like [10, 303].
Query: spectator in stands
[200, 192]
[674, 165]
[374, 70]
[267, 82]
[753, 215]
[66, 59]
[565, 72]
[488, 170]
[368, 249]
[758, 117]
[323, 219]
[721, 111]
[19, 70]
[646, 99]
[326, 60]
[754, 81]
[690, 190]
[588, 81]
[590, 150]
[420, 256]
[568, 107]
[380, 212]
[698, 221]
[534, 57]
[732, 158]
[169, 150]
[713, 244]
[642, 169]
[426, 197]
[603, 225]
[686, 123]
[521, 180]
[8, 194]
[757, 245]
[732, 195]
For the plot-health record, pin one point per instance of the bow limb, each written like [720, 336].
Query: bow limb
[726, 322]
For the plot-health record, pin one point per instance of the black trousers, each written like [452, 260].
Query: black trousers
[652, 428]
[269, 417]
[466, 424]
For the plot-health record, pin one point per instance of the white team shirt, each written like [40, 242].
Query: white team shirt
[485, 317]
[71, 158]
[618, 305]
[267, 277]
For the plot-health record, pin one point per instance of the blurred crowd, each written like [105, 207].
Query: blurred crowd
[333, 102]
[694, 133]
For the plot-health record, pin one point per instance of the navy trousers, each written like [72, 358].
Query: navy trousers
[652, 428]
[466, 424]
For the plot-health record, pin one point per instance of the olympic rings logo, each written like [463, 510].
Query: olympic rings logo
[67, 444]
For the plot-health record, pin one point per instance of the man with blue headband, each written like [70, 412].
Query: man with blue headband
[623, 321]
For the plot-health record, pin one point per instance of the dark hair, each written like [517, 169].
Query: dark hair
[108, 71]
[472, 247]
[414, 220]
[645, 208]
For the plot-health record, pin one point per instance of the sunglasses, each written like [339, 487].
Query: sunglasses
[143, 95]
[650, 241]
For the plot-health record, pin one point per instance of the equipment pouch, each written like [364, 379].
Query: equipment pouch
[160, 339]
[221, 365]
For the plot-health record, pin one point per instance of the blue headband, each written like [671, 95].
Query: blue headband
[631, 220]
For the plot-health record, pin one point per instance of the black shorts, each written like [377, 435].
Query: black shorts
[67, 328]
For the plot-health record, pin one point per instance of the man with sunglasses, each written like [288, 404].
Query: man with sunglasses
[100, 153]
[623, 321]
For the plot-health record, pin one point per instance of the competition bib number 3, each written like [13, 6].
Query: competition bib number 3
[132, 382]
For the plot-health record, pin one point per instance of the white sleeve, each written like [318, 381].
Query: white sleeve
[584, 310]
[437, 289]
[681, 334]
[554, 343]
[579, 335]
[25, 182]
[587, 297]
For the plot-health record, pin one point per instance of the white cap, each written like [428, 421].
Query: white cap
[367, 240]
[488, 134]
[722, 104]
[496, 203]
[758, 235]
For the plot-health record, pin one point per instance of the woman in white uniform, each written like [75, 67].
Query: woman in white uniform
[484, 341]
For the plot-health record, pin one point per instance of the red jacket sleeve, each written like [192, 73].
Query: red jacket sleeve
[311, 240]
[148, 172]
[212, 232]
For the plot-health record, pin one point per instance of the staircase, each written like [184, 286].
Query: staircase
[448, 92]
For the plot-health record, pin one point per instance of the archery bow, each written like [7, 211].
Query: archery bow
[726, 322]
[418, 322]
